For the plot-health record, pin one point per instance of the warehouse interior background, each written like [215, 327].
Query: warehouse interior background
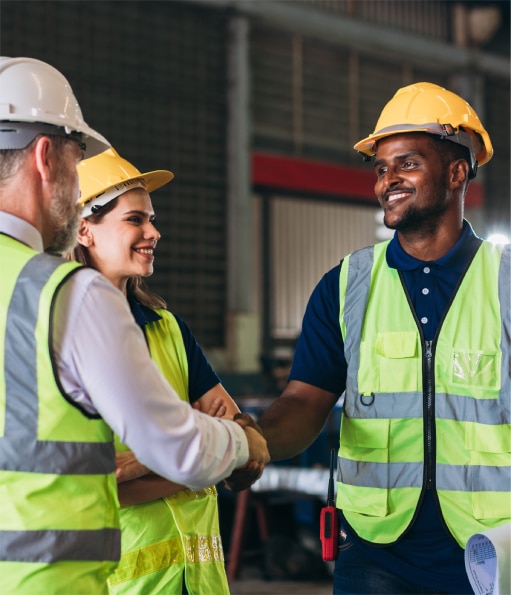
[255, 106]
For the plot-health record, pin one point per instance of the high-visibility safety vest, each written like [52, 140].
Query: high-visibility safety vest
[59, 525]
[425, 414]
[175, 538]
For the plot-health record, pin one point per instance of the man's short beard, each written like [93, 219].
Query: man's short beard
[66, 218]
[419, 220]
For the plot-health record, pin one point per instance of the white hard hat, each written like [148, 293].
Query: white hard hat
[36, 98]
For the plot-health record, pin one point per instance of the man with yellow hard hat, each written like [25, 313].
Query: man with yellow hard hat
[415, 332]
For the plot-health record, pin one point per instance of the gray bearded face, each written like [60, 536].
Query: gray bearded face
[64, 214]
[66, 229]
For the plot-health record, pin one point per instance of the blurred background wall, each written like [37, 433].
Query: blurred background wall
[255, 106]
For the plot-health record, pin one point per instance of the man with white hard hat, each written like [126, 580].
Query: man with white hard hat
[75, 365]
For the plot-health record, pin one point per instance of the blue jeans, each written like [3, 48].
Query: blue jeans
[355, 574]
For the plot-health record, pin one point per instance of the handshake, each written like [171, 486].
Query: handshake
[258, 457]
[129, 468]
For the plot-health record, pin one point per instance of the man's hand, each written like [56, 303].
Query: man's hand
[259, 456]
[242, 478]
[128, 467]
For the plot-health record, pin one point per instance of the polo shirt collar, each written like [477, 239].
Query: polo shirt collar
[142, 314]
[456, 259]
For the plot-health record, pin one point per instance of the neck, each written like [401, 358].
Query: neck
[120, 283]
[432, 245]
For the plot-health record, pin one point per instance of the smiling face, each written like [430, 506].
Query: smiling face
[412, 184]
[121, 244]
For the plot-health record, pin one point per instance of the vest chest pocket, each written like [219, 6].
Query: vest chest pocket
[397, 361]
[476, 370]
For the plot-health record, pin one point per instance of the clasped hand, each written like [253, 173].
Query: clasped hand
[129, 468]
[243, 477]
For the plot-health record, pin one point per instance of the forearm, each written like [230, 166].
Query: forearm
[146, 489]
[295, 419]
[287, 435]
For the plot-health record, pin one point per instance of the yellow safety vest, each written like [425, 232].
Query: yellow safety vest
[425, 414]
[59, 526]
[178, 537]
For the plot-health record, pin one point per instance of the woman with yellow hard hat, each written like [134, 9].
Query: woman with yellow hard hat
[170, 534]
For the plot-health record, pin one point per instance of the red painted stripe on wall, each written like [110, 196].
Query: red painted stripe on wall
[292, 174]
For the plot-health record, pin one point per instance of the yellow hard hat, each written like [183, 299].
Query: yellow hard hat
[425, 107]
[107, 175]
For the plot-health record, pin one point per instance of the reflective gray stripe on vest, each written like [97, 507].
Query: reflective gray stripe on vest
[410, 405]
[380, 475]
[19, 448]
[483, 411]
[410, 475]
[385, 405]
[355, 303]
[58, 545]
[485, 478]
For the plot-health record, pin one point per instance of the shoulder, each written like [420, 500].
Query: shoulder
[87, 295]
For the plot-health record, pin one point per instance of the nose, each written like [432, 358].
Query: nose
[152, 233]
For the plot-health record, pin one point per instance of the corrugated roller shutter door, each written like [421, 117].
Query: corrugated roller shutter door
[308, 238]
[153, 81]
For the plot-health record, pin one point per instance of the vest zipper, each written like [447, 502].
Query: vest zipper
[429, 417]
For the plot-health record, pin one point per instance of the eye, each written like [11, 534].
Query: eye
[381, 171]
[135, 219]
[408, 164]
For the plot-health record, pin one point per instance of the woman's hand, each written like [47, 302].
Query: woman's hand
[217, 402]
[128, 467]
[216, 408]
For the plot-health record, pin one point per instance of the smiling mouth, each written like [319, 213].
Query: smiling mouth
[392, 198]
[148, 251]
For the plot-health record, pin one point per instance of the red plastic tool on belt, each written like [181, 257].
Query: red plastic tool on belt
[329, 524]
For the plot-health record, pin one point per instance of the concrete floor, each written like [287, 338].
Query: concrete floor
[251, 582]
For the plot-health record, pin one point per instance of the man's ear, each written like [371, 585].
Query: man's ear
[458, 173]
[85, 237]
[43, 158]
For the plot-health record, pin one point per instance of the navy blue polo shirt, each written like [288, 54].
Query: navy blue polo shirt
[427, 554]
[201, 376]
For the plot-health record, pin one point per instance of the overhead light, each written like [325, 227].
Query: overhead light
[498, 238]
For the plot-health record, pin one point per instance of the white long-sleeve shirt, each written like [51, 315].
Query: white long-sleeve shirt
[104, 365]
